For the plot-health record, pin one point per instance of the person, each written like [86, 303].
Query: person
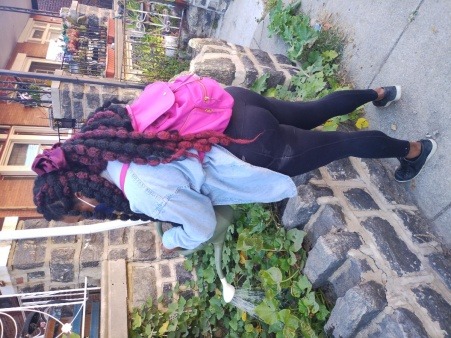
[266, 142]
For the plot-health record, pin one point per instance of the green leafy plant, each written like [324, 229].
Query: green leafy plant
[35, 92]
[293, 27]
[259, 256]
[317, 53]
[149, 51]
[149, 56]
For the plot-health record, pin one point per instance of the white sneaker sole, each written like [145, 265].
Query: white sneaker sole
[397, 97]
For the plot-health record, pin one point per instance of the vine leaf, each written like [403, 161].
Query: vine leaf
[163, 328]
[267, 312]
[297, 237]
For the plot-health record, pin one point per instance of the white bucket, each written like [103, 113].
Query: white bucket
[170, 45]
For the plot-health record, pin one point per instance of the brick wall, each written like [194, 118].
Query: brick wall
[35, 50]
[17, 197]
[22, 214]
[16, 193]
[18, 115]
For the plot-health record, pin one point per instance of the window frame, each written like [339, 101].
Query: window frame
[47, 29]
[48, 137]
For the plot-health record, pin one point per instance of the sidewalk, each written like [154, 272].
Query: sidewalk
[387, 43]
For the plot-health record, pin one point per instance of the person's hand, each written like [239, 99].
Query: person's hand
[167, 251]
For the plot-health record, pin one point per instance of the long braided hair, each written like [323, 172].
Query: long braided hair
[108, 135]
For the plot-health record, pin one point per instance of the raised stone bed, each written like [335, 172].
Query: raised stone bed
[371, 253]
[234, 65]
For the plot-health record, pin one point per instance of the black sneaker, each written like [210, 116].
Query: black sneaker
[409, 169]
[392, 94]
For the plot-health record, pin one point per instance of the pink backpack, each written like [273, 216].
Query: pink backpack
[190, 104]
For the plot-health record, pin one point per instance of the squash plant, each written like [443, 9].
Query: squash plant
[259, 256]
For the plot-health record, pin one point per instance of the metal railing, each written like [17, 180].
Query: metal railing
[29, 92]
[151, 35]
[45, 311]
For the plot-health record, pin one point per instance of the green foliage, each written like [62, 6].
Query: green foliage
[258, 255]
[268, 6]
[149, 54]
[151, 59]
[293, 27]
[259, 86]
[34, 92]
[317, 53]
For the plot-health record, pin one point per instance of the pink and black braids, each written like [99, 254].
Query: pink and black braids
[54, 195]
[108, 136]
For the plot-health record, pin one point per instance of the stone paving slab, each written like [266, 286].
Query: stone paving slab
[420, 63]
[371, 29]
[236, 30]
[407, 44]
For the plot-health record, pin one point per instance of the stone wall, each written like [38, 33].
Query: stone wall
[234, 65]
[371, 253]
[78, 100]
[203, 18]
[95, 16]
[370, 250]
[63, 262]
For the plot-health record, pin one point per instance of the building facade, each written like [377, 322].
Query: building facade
[24, 130]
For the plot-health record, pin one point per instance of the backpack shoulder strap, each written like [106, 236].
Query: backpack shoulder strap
[124, 170]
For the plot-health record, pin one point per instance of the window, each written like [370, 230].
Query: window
[44, 32]
[54, 34]
[24, 153]
[43, 67]
[4, 131]
[21, 145]
[18, 154]
[40, 32]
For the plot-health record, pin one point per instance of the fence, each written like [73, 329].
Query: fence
[151, 35]
[29, 92]
[52, 313]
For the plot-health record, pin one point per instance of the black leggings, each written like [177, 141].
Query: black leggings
[287, 145]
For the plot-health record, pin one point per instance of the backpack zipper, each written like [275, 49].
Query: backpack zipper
[206, 97]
